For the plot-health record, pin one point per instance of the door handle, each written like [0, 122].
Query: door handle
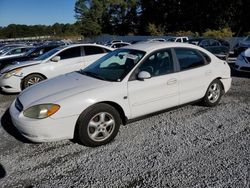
[172, 81]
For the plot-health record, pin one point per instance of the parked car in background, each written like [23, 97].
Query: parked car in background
[224, 43]
[178, 39]
[119, 44]
[61, 60]
[157, 40]
[14, 52]
[109, 43]
[5, 47]
[242, 46]
[218, 48]
[242, 63]
[130, 82]
[31, 54]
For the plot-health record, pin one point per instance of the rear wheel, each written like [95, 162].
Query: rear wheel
[98, 125]
[32, 79]
[213, 94]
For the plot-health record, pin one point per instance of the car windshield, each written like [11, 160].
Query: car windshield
[115, 65]
[29, 52]
[4, 51]
[47, 54]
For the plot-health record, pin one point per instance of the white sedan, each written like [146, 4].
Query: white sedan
[55, 62]
[14, 51]
[128, 83]
[242, 63]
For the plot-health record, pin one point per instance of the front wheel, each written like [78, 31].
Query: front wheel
[32, 79]
[98, 125]
[213, 94]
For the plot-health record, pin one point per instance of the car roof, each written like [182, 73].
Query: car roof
[87, 44]
[151, 46]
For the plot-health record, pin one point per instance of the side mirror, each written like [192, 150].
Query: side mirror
[144, 75]
[56, 59]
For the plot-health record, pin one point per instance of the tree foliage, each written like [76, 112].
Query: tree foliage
[222, 33]
[158, 17]
[56, 30]
[155, 17]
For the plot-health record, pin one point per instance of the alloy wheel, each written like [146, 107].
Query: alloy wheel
[101, 126]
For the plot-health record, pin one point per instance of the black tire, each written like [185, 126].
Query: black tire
[213, 94]
[95, 127]
[31, 80]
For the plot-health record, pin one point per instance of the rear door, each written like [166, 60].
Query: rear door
[194, 74]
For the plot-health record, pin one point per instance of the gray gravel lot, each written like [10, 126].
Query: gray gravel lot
[191, 146]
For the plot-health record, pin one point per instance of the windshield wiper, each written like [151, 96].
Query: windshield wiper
[91, 74]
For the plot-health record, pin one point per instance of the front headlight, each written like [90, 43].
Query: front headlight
[41, 111]
[11, 73]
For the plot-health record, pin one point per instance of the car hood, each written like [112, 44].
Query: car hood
[55, 89]
[17, 64]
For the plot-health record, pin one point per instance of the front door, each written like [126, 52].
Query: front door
[70, 60]
[158, 92]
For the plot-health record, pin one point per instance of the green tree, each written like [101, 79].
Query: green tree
[89, 15]
[121, 17]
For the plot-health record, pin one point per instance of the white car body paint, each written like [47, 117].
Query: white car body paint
[75, 92]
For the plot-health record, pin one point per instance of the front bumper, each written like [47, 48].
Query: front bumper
[43, 130]
[242, 65]
[10, 85]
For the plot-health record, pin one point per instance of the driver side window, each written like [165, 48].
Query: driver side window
[159, 63]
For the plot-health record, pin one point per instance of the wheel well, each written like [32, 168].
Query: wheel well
[220, 82]
[118, 108]
[113, 104]
[32, 74]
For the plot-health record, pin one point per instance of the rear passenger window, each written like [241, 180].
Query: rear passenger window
[70, 53]
[189, 58]
[92, 50]
[25, 50]
[208, 59]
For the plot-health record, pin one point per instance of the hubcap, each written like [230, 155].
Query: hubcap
[34, 80]
[101, 126]
[214, 92]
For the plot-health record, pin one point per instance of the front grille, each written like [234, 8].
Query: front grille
[245, 68]
[18, 105]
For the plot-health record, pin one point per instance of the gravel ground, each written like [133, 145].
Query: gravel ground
[191, 146]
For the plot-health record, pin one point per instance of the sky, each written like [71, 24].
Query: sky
[36, 12]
